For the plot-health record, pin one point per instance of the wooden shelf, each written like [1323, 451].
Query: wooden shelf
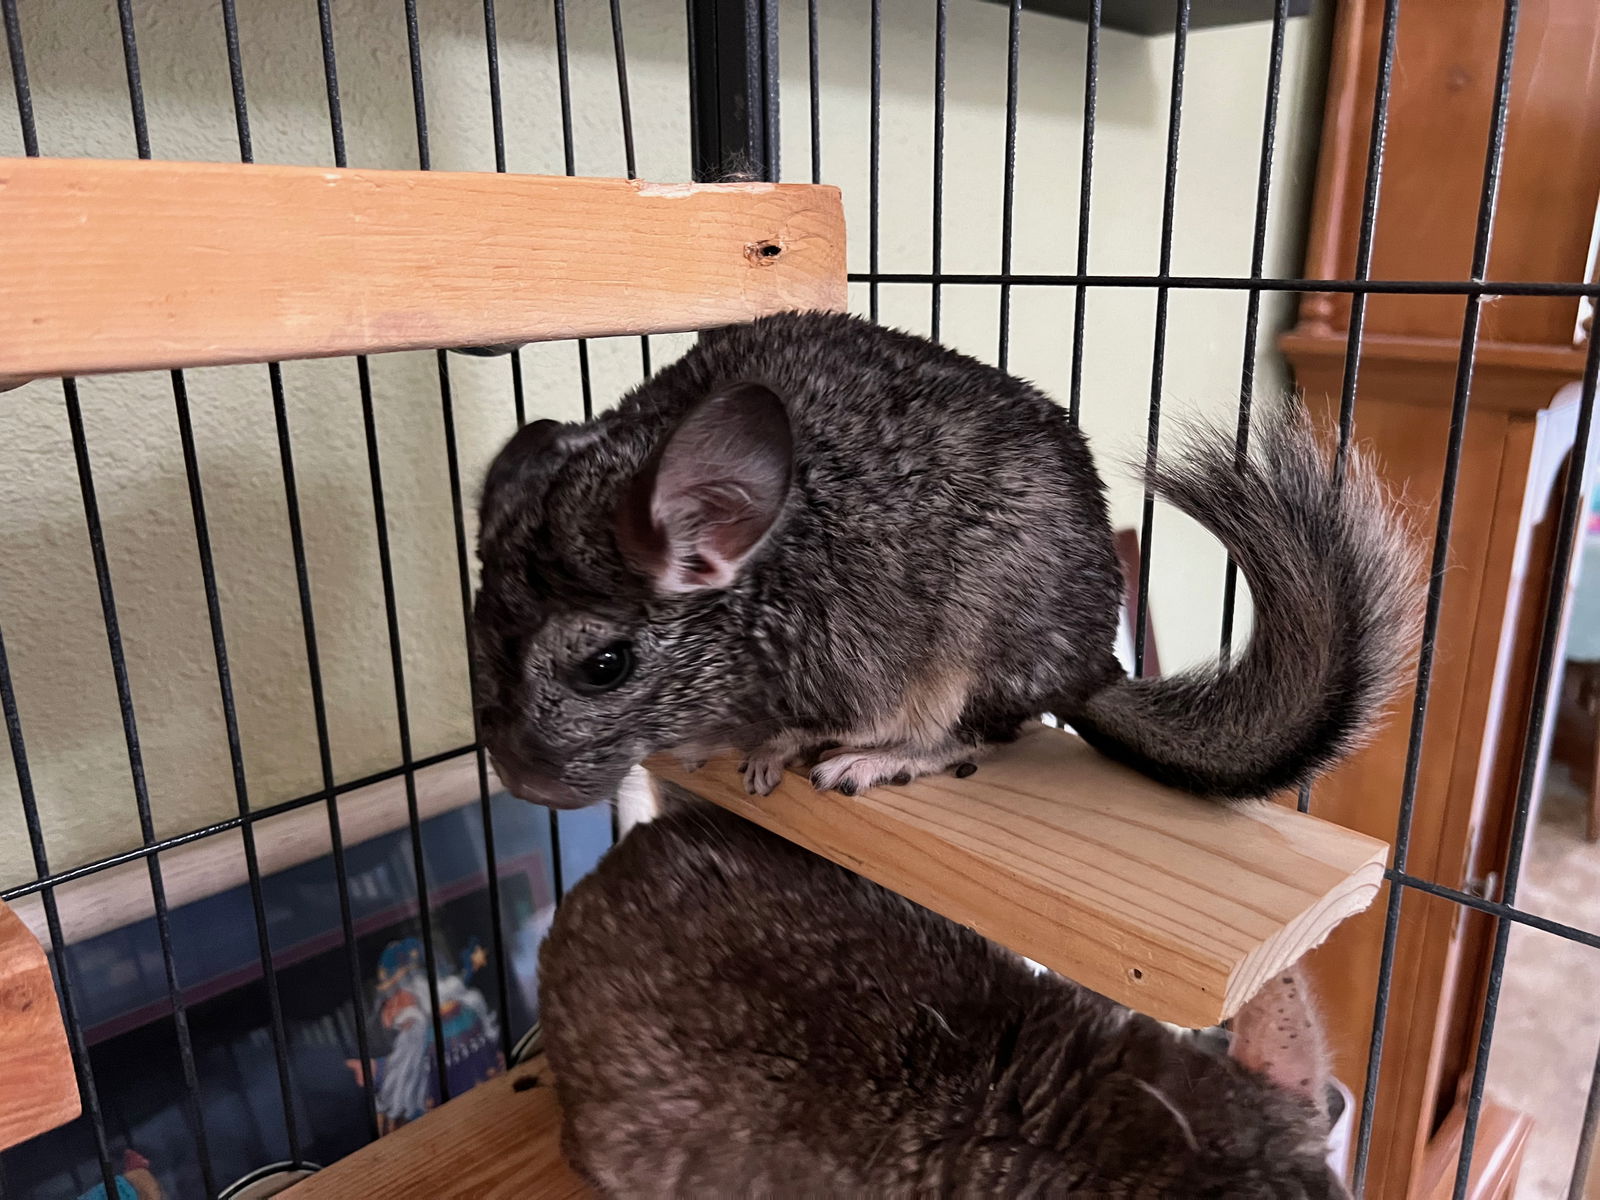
[501, 1139]
[121, 266]
[38, 1089]
[1171, 905]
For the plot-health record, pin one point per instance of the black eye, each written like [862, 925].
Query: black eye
[605, 669]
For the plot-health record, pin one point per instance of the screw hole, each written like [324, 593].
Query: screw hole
[771, 250]
[1136, 974]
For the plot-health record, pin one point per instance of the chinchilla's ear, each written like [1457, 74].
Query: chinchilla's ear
[512, 466]
[1278, 1034]
[700, 507]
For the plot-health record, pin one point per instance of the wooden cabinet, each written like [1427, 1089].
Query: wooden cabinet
[1515, 444]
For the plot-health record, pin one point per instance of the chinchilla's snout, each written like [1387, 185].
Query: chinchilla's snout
[537, 781]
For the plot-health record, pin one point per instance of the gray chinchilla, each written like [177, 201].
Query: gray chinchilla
[812, 535]
[728, 1015]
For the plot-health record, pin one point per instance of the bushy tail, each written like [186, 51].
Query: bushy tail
[1334, 578]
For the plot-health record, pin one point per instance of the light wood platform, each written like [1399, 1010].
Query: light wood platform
[1174, 906]
[499, 1140]
[38, 1089]
[120, 266]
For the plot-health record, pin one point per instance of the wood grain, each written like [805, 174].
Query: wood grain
[1171, 905]
[493, 1142]
[116, 266]
[38, 1089]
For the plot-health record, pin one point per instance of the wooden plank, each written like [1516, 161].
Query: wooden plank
[38, 1089]
[501, 1139]
[120, 895]
[1174, 906]
[117, 266]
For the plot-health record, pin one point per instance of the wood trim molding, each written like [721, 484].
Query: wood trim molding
[1511, 377]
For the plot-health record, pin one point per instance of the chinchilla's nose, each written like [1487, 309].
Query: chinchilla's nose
[536, 783]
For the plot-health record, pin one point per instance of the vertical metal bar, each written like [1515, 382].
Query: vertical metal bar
[1252, 316]
[464, 573]
[733, 98]
[941, 44]
[141, 134]
[768, 25]
[875, 148]
[491, 45]
[564, 75]
[241, 792]
[1091, 85]
[1544, 675]
[1555, 605]
[1408, 791]
[319, 712]
[52, 914]
[280, 1040]
[19, 79]
[330, 82]
[141, 791]
[59, 951]
[1008, 195]
[1158, 363]
[402, 711]
[419, 106]
[130, 63]
[1586, 1136]
[814, 66]
[1376, 141]
[330, 67]
[620, 53]
[1440, 561]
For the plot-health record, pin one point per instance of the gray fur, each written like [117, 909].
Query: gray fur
[728, 1015]
[935, 568]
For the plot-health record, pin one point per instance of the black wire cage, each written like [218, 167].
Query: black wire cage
[239, 1059]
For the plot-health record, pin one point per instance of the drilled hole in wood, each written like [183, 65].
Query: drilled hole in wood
[762, 253]
[1135, 974]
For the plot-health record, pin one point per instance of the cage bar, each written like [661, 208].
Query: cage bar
[1169, 205]
[1252, 314]
[1091, 85]
[733, 89]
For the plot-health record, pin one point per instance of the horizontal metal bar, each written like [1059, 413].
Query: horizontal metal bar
[1244, 283]
[1571, 933]
[205, 831]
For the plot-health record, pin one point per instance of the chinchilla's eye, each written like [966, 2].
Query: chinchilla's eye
[605, 669]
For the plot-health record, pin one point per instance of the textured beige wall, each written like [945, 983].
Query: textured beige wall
[48, 604]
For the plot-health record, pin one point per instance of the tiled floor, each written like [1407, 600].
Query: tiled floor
[1549, 1022]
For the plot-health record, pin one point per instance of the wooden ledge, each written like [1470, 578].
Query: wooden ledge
[1171, 905]
[1506, 376]
[501, 1139]
[38, 1088]
[123, 266]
